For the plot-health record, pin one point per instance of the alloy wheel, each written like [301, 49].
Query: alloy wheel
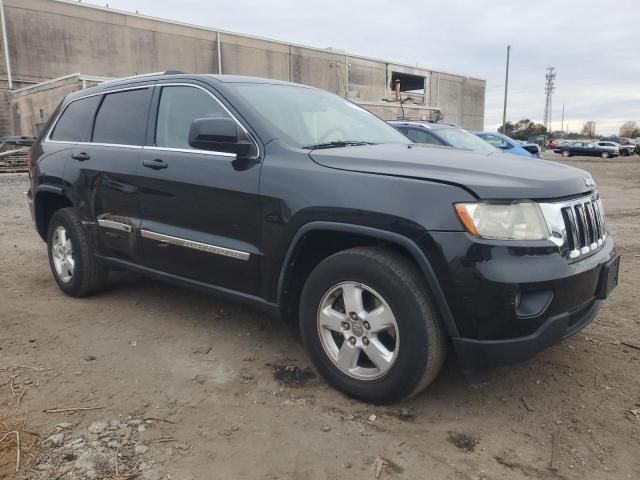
[358, 330]
[62, 253]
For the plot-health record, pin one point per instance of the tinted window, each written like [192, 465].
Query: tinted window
[179, 106]
[75, 120]
[422, 136]
[122, 118]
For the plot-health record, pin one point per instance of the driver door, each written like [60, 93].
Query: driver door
[198, 208]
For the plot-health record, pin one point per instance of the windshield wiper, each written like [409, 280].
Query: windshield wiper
[337, 144]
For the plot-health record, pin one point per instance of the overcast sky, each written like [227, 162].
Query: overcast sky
[594, 45]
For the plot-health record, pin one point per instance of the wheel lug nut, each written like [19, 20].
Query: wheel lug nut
[345, 325]
[366, 325]
[365, 341]
[353, 316]
[352, 340]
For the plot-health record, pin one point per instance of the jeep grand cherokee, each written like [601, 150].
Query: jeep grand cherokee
[305, 205]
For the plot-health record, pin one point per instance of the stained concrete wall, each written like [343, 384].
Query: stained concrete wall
[49, 39]
[32, 107]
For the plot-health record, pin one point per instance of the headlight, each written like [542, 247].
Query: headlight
[504, 221]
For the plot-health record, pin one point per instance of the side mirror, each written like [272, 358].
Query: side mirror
[218, 135]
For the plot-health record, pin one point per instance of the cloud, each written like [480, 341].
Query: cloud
[592, 45]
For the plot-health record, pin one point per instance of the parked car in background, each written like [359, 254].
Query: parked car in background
[627, 146]
[446, 134]
[509, 145]
[614, 147]
[588, 149]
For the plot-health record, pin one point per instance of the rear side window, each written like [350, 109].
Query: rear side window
[74, 123]
[421, 136]
[122, 118]
[179, 106]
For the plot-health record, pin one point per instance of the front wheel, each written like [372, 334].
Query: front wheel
[71, 255]
[369, 326]
[624, 152]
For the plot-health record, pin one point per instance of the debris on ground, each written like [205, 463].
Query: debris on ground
[463, 441]
[292, 376]
[106, 449]
[379, 464]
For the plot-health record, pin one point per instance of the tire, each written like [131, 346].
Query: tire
[604, 154]
[81, 275]
[417, 341]
[566, 153]
[624, 152]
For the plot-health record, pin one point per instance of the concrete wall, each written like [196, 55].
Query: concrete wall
[31, 107]
[49, 39]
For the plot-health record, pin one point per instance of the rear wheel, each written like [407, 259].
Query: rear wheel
[71, 255]
[566, 153]
[604, 154]
[369, 325]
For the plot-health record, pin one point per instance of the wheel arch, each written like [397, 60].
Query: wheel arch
[353, 235]
[46, 201]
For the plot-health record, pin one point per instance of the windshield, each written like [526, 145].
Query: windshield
[307, 117]
[460, 138]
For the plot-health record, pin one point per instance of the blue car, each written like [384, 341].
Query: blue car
[509, 145]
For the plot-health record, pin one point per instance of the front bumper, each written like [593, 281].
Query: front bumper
[510, 301]
[476, 355]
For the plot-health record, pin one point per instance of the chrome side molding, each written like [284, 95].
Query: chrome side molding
[203, 247]
[123, 227]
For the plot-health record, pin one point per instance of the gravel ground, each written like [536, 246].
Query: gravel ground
[175, 384]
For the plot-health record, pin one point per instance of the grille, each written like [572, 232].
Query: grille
[585, 226]
[577, 226]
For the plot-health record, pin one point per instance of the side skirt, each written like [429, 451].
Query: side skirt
[269, 308]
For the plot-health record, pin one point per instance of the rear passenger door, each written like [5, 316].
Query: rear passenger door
[199, 208]
[104, 169]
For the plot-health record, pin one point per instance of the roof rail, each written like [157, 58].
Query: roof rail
[143, 75]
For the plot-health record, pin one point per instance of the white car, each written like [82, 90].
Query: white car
[613, 147]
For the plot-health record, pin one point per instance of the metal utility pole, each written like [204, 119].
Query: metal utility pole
[506, 87]
[562, 123]
[549, 88]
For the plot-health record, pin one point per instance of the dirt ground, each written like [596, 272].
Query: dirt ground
[179, 385]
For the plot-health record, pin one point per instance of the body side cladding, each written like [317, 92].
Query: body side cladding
[269, 308]
[392, 237]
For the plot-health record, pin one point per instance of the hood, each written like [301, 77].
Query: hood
[489, 176]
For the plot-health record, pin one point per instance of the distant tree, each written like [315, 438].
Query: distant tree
[629, 129]
[589, 129]
[523, 129]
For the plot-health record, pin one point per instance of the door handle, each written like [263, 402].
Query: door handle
[81, 157]
[155, 164]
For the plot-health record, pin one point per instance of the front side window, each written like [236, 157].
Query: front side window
[74, 123]
[305, 117]
[496, 141]
[122, 118]
[179, 106]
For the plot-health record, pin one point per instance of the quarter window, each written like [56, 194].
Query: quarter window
[179, 106]
[122, 118]
[74, 123]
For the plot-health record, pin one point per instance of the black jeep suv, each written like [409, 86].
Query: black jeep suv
[304, 204]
